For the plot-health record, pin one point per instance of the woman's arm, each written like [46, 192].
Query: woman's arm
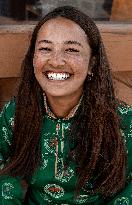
[125, 197]
[11, 189]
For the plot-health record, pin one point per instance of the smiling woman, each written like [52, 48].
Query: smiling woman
[65, 138]
[61, 62]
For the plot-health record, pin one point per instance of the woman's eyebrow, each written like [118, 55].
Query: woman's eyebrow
[66, 42]
[73, 42]
[44, 41]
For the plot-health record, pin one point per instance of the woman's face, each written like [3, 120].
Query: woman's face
[61, 58]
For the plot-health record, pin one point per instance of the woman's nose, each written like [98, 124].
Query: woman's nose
[56, 59]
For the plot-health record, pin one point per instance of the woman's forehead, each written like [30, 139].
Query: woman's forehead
[63, 28]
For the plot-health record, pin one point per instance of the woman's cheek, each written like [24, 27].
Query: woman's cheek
[38, 62]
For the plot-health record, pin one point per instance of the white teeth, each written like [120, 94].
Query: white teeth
[58, 76]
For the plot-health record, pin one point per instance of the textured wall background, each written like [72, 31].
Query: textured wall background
[97, 9]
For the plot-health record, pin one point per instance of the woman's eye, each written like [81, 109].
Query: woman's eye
[72, 50]
[44, 49]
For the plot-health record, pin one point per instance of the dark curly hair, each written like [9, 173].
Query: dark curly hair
[99, 149]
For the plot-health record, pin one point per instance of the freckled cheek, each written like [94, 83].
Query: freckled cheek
[85, 64]
[38, 62]
[80, 65]
[76, 61]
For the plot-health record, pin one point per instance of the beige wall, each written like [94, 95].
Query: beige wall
[14, 40]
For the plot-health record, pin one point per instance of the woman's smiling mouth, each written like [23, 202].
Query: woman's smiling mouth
[57, 76]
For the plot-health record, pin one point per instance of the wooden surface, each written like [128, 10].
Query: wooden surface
[121, 10]
[8, 89]
[123, 85]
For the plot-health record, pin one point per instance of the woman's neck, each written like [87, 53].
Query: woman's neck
[61, 106]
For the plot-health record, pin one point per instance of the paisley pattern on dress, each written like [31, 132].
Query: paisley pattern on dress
[67, 175]
[11, 121]
[5, 135]
[122, 201]
[124, 109]
[46, 198]
[6, 190]
[54, 190]
[44, 162]
[83, 198]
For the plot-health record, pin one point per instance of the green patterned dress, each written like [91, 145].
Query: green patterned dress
[51, 183]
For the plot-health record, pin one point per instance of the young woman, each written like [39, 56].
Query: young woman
[65, 139]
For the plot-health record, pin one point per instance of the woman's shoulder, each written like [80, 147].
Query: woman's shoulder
[124, 109]
[8, 110]
[6, 127]
[7, 121]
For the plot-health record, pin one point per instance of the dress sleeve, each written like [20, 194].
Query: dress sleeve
[11, 191]
[125, 196]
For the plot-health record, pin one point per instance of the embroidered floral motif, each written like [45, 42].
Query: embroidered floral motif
[54, 142]
[44, 162]
[67, 175]
[11, 121]
[84, 198]
[121, 201]
[125, 109]
[130, 134]
[49, 148]
[5, 107]
[45, 197]
[5, 135]
[6, 190]
[54, 190]
[66, 126]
